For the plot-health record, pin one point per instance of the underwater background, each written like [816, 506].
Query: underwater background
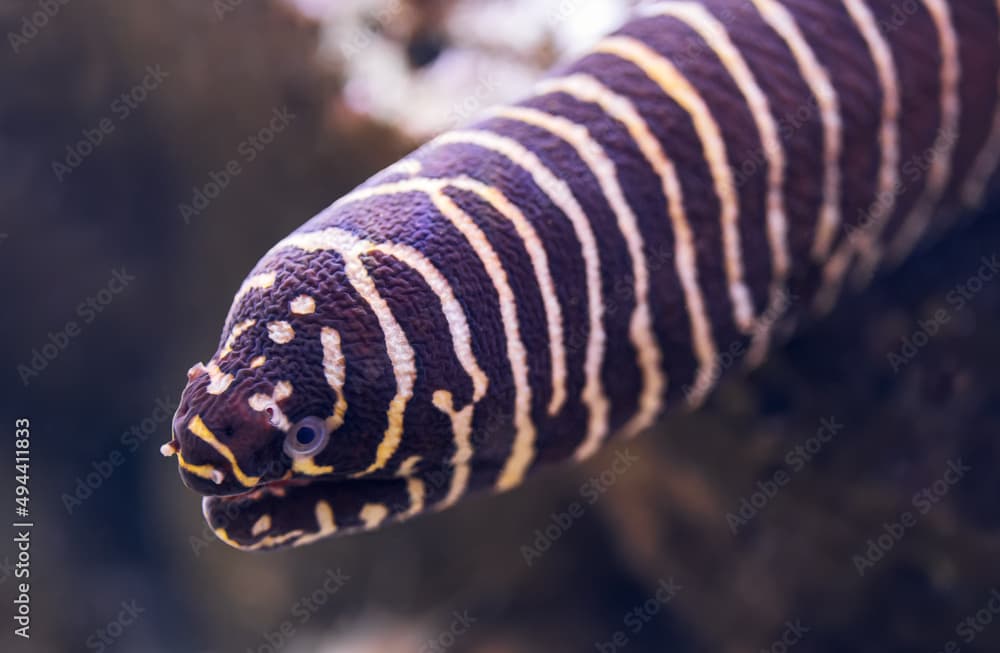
[845, 496]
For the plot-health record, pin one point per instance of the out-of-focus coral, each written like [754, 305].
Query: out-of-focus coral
[369, 635]
[401, 634]
[424, 66]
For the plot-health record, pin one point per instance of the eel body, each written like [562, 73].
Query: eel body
[520, 291]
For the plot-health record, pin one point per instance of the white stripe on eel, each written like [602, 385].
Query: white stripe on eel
[401, 355]
[663, 72]
[640, 327]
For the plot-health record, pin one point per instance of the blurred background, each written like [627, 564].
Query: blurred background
[846, 496]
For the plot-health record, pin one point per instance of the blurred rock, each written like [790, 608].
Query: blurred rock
[879, 533]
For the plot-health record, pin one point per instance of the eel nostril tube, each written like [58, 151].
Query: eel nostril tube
[169, 449]
[218, 476]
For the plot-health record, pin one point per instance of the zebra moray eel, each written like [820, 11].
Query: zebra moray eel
[518, 292]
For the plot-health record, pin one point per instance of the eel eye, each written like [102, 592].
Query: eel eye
[306, 438]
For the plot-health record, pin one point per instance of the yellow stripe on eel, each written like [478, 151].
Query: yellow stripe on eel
[218, 381]
[673, 83]
[237, 331]
[261, 281]
[335, 371]
[401, 355]
[309, 467]
[817, 78]
[373, 514]
[201, 471]
[409, 466]
[261, 526]
[198, 428]
[942, 163]
[326, 525]
[418, 493]
[640, 324]
[265, 543]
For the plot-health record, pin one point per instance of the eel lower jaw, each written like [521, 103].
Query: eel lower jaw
[302, 510]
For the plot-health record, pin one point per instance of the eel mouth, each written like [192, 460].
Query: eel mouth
[277, 487]
[295, 511]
